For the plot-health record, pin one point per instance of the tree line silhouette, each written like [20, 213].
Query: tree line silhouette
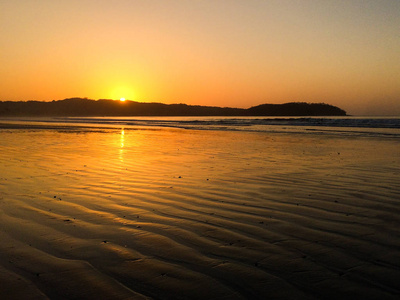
[105, 107]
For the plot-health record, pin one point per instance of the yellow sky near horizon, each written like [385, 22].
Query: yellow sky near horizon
[224, 53]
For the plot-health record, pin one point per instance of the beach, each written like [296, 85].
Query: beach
[125, 212]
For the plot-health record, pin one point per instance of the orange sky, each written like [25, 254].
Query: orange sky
[224, 53]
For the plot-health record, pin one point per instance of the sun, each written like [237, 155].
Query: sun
[122, 99]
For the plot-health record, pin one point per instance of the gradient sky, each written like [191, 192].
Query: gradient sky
[215, 52]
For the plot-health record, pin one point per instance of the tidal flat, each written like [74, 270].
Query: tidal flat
[164, 213]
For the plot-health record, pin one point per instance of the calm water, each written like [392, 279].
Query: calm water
[345, 126]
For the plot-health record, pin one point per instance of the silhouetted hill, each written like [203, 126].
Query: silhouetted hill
[103, 107]
[296, 109]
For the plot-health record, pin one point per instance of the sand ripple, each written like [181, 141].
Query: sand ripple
[174, 214]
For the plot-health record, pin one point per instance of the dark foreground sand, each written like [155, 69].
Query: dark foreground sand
[180, 214]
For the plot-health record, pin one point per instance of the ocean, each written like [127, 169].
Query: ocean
[343, 126]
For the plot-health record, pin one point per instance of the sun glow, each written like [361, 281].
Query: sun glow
[121, 92]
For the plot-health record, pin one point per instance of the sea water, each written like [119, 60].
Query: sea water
[344, 126]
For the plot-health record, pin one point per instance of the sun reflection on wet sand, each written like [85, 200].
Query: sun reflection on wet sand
[122, 145]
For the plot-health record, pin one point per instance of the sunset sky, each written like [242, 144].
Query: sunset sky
[215, 52]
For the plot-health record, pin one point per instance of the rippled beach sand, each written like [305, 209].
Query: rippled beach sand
[97, 213]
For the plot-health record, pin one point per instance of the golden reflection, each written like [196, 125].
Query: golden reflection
[122, 144]
[122, 140]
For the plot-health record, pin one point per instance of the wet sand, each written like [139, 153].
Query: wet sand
[185, 214]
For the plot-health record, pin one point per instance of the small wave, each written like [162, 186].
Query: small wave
[354, 122]
[344, 126]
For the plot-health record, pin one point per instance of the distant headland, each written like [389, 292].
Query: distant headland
[104, 107]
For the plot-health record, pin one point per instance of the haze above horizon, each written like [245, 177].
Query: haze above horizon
[219, 53]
